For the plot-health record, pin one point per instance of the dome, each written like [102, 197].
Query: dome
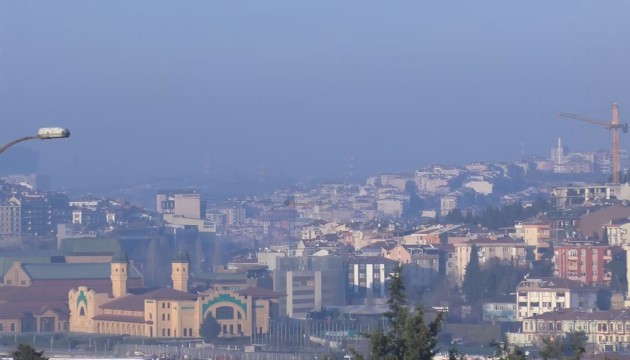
[120, 257]
[181, 257]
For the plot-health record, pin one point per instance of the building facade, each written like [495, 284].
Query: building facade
[542, 295]
[584, 263]
[606, 330]
[168, 313]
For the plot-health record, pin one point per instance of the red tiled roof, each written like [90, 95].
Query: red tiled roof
[122, 318]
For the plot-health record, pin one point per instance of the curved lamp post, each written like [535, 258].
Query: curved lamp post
[42, 134]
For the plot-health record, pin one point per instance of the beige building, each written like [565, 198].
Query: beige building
[181, 204]
[167, 313]
[618, 232]
[504, 249]
[533, 233]
[606, 330]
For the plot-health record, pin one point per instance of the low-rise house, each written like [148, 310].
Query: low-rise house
[500, 309]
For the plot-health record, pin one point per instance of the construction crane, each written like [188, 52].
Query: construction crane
[614, 127]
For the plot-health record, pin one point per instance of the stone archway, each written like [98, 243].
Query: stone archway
[232, 326]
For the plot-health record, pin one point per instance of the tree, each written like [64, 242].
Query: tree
[617, 268]
[210, 328]
[471, 285]
[605, 237]
[506, 351]
[27, 352]
[408, 335]
[571, 346]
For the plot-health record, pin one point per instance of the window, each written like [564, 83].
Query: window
[12, 327]
[163, 317]
[224, 313]
[163, 306]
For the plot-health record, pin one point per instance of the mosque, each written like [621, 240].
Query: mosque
[168, 312]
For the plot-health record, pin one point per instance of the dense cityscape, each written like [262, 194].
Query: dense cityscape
[513, 250]
[327, 180]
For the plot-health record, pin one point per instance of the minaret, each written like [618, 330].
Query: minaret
[118, 274]
[179, 271]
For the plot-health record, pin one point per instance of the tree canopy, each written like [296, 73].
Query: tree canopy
[571, 346]
[210, 328]
[27, 352]
[472, 285]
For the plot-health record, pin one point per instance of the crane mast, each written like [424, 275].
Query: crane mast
[614, 127]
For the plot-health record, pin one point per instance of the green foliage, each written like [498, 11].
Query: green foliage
[27, 352]
[617, 268]
[506, 351]
[571, 346]
[408, 335]
[495, 218]
[210, 328]
[473, 281]
[413, 207]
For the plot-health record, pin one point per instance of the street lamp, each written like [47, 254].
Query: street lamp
[42, 134]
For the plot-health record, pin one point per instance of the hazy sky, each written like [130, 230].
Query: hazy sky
[151, 87]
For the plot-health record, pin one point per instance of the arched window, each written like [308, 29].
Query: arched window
[190, 332]
[163, 317]
[185, 332]
[224, 313]
[81, 311]
[169, 332]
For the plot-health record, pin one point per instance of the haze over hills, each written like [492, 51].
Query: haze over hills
[159, 89]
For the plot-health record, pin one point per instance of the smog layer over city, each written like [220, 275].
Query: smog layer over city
[309, 180]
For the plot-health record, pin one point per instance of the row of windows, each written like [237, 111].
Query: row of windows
[11, 327]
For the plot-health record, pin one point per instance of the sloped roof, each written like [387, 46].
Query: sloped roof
[17, 310]
[73, 271]
[27, 293]
[136, 302]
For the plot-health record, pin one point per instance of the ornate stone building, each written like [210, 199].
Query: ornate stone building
[168, 313]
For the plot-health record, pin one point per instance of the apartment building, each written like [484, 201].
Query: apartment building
[504, 249]
[582, 262]
[533, 232]
[367, 277]
[538, 296]
[10, 224]
[618, 232]
[309, 283]
[185, 204]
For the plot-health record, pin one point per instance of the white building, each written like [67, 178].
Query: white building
[538, 296]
